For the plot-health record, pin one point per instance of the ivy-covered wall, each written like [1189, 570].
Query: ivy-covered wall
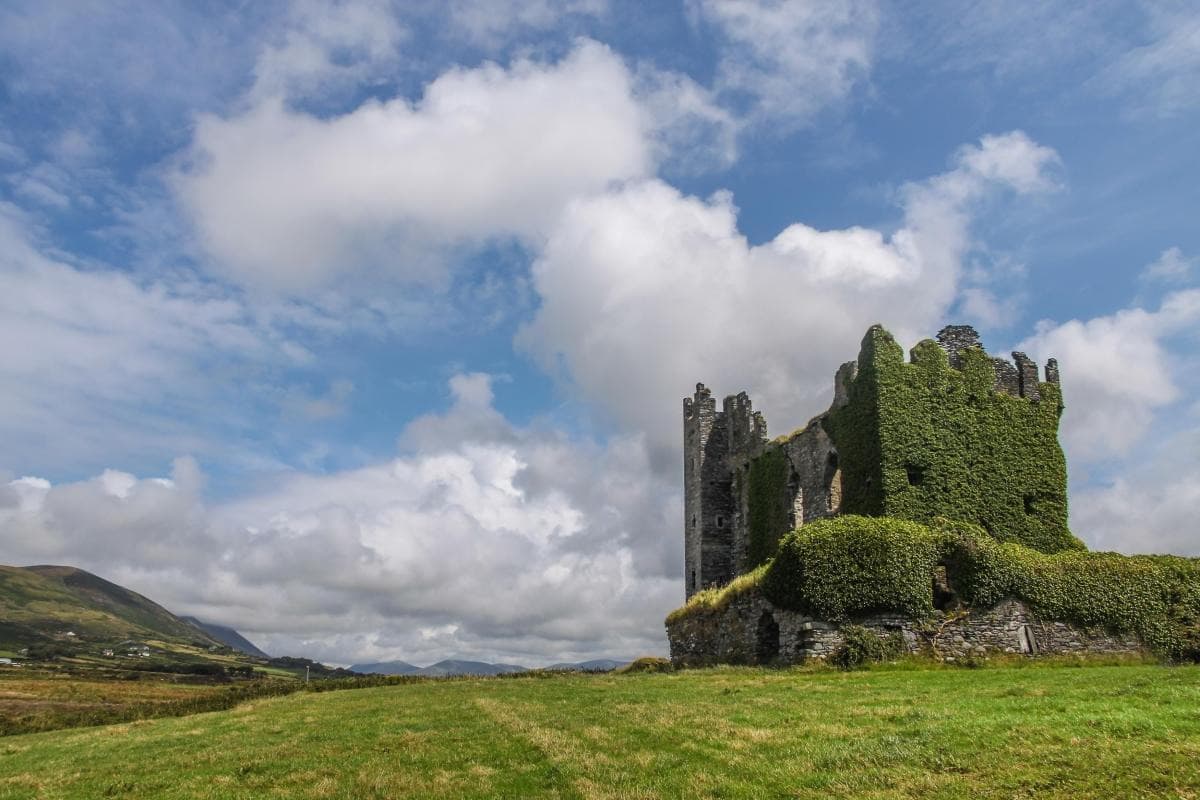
[847, 567]
[770, 501]
[922, 440]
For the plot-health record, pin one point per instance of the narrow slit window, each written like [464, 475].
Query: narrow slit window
[916, 474]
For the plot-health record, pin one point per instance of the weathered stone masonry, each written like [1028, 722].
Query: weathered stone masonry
[721, 450]
[751, 630]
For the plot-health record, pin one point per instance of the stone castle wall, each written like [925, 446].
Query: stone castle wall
[752, 630]
[720, 447]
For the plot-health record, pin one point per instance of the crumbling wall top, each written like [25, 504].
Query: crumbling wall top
[956, 338]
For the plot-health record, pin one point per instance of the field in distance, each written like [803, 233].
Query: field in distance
[1046, 732]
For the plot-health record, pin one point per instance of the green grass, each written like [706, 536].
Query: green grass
[1045, 732]
[33, 700]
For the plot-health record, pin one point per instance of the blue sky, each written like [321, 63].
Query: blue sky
[362, 327]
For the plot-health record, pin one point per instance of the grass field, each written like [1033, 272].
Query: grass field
[1061, 732]
[33, 700]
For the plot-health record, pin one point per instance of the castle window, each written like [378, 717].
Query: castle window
[693, 523]
[720, 522]
[916, 474]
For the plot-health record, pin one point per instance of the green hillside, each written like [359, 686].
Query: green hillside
[44, 604]
[1045, 732]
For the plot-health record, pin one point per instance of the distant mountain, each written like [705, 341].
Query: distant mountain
[227, 636]
[440, 669]
[452, 667]
[459, 667]
[54, 604]
[386, 668]
[595, 665]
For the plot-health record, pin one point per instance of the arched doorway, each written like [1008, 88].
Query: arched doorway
[767, 642]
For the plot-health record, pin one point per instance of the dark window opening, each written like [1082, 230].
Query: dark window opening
[693, 523]
[1030, 502]
[767, 644]
[692, 582]
[831, 468]
[916, 474]
[943, 594]
[720, 522]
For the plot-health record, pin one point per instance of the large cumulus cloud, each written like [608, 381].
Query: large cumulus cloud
[645, 290]
[289, 200]
[482, 539]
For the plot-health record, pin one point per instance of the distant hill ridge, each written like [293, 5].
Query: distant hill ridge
[48, 603]
[460, 667]
[228, 636]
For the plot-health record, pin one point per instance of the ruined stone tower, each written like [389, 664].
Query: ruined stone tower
[710, 438]
[952, 432]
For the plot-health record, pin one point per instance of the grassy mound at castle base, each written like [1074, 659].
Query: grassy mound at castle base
[851, 566]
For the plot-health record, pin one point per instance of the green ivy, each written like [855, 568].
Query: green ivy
[769, 506]
[851, 566]
[1157, 597]
[922, 440]
[863, 646]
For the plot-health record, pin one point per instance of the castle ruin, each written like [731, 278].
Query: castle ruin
[729, 529]
[950, 433]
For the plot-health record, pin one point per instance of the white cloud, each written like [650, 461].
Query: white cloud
[99, 364]
[1013, 38]
[1117, 371]
[1012, 159]
[645, 287]
[287, 200]
[130, 69]
[1162, 76]
[1170, 267]
[692, 132]
[791, 58]
[112, 519]
[1151, 506]
[502, 542]
[328, 46]
[1147, 54]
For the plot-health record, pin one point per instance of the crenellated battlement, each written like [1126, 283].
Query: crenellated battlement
[747, 427]
[1018, 377]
